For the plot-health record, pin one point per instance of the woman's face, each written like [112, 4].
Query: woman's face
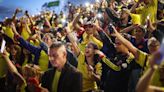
[89, 50]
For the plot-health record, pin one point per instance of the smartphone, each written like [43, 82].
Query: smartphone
[110, 28]
[3, 45]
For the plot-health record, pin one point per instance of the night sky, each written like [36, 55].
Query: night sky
[7, 7]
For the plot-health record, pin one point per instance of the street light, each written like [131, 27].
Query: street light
[98, 1]
[87, 4]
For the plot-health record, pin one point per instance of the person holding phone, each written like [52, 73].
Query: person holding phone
[90, 64]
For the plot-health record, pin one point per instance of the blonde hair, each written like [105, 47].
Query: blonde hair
[153, 41]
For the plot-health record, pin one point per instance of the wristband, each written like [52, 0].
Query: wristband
[101, 56]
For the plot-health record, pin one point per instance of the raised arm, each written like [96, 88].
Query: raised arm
[130, 28]
[144, 82]
[27, 45]
[47, 21]
[128, 44]
[13, 69]
[132, 10]
[29, 17]
[73, 41]
[76, 19]
[15, 13]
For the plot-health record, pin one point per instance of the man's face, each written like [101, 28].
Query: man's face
[119, 46]
[57, 57]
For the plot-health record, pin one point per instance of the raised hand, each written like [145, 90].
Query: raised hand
[26, 13]
[18, 10]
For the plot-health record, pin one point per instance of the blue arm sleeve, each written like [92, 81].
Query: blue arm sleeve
[33, 49]
[44, 47]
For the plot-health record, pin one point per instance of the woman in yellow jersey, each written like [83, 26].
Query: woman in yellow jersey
[89, 64]
[90, 69]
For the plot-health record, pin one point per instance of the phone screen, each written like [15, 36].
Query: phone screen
[110, 28]
[3, 45]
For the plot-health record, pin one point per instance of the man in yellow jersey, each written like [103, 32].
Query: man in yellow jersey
[149, 8]
[62, 77]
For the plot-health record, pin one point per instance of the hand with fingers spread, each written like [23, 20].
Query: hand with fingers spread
[26, 13]
[18, 10]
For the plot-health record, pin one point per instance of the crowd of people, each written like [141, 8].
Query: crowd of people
[106, 46]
